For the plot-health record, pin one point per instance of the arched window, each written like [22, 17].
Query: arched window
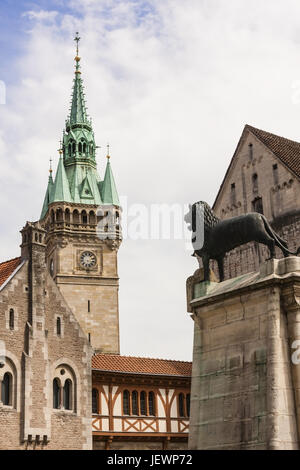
[188, 404]
[75, 217]
[84, 148]
[91, 149]
[95, 401]
[52, 217]
[56, 394]
[11, 319]
[70, 149]
[143, 406]
[151, 404]
[92, 218]
[80, 147]
[59, 215]
[6, 389]
[135, 402]
[58, 326]
[36, 237]
[40, 238]
[84, 217]
[67, 216]
[126, 404]
[74, 147]
[255, 183]
[181, 407]
[68, 395]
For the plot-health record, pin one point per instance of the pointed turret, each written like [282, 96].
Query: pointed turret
[48, 196]
[61, 189]
[109, 189]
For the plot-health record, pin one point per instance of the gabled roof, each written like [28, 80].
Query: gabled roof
[7, 268]
[141, 365]
[287, 151]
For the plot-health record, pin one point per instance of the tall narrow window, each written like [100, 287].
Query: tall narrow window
[80, 147]
[95, 401]
[58, 326]
[68, 395]
[56, 394]
[6, 389]
[188, 404]
[89, 306]
[181, 405]
[143, 406]
[11, 319]
[255, 183]
[84, 217]
[89, 336]
[126, 405]
[251, 151]
[275, 173]
[74, 147]
[233, 194]
[135, 403]
[151, 404]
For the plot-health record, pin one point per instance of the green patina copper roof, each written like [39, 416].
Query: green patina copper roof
[61, 188]
[48, 196]
[109, 189]
[77, 179]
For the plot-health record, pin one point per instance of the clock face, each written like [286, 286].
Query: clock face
[88, 259]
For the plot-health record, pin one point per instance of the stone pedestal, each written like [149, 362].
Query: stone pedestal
[246, 368]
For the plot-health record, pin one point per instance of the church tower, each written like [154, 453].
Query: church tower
[81, 216]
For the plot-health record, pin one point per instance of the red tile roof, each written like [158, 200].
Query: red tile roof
[7, 268]
[288, 151]
[141, 365]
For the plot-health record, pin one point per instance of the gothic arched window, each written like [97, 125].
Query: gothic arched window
[126, 404]
[143, 406]
[181, 407]
[68, 395]
[95, 401]
[74, 147]
[84, 148]
[151, 404]
[188, 404]
[11, 319]
[135, 402]
[80, 147]
[6, 389]
[84, 217]
[56, 394]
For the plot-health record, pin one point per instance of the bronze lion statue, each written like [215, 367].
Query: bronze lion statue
[212, 237]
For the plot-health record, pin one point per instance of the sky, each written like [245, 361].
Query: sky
[170, 85]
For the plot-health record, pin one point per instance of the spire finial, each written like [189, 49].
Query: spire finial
[77, 58]
[60, 150]
[108, 155]
[50, 171]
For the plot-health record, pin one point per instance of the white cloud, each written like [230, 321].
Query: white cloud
[41, 15]
[170, 85]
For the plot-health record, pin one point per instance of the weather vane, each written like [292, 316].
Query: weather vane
[77, 39]
[50, 171]
[108, 155]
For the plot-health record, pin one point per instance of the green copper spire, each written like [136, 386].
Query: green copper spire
[109, 189]
[61, 188]
[48, 195]
[77, 179]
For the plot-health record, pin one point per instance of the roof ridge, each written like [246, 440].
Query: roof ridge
[10, 260]
[248, 126]
[141, 357]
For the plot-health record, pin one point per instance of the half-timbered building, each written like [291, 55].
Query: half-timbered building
[140, 403]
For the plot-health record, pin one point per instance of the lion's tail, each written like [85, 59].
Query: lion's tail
[280, 242]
